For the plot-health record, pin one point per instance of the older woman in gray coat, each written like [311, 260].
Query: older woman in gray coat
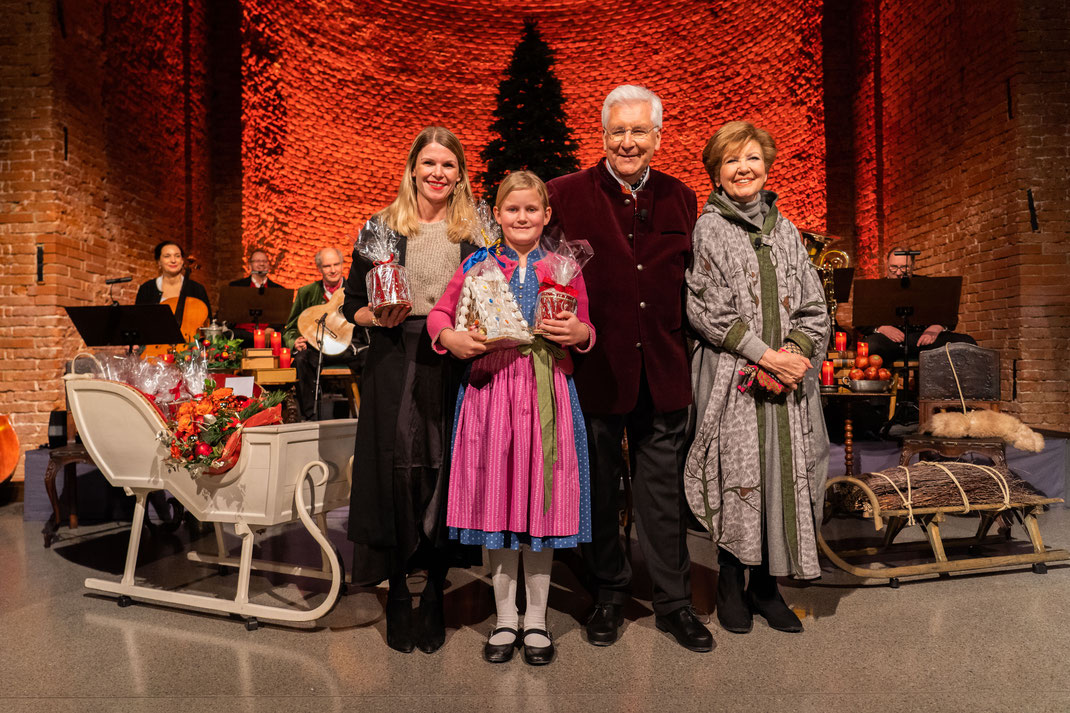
[755, 472]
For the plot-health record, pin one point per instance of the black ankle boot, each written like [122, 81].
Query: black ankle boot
[399, 634]
[432, 627]
[733, 612]
[764, 598]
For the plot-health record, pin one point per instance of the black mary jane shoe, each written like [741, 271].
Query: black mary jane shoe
[500, 653]
[539, 655]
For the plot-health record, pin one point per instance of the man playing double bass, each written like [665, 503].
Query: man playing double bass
[306, 358]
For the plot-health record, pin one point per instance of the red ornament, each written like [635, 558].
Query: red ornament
[203, 449]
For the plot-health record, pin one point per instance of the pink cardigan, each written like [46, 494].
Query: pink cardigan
[444, 313]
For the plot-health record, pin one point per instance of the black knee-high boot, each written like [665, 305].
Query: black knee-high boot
[733, 612]
[764, 598]
[432, 627]
[399, 633]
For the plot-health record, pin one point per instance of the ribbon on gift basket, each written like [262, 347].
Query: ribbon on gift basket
[390, 258]
[549, 283]
[482, 254]
[543, 353]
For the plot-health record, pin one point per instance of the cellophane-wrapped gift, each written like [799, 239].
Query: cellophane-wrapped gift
[387, 281]
[486, 302]
[563, 262]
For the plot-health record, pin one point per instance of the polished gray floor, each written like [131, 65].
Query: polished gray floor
[991, 641]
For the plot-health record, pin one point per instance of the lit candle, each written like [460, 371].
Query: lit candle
[841, 341]
[862, 349]
[828, 374]
[276, 343]
[284, 358]
[258, 339]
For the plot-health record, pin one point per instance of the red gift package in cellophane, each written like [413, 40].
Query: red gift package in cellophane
[562, 264]
[387, 281]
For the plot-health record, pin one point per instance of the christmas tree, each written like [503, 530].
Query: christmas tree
[529, 119]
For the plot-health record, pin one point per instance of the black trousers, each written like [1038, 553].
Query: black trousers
[890, 351]
[656, 444]
[306, 361]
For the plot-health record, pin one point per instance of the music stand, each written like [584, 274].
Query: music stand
[268, 305]
[917, 300]
[126, 325]
[842, 278]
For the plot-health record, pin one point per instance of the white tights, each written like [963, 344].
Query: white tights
[503, 568]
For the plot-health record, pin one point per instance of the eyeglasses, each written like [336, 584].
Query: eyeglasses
[899, 269]
[638, 134]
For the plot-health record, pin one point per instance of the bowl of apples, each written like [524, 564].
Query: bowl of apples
[868, 375]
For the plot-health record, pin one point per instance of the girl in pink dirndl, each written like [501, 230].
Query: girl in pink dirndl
[500, 494]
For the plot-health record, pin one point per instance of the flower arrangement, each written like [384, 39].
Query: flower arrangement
[220, 354]
[204, 435]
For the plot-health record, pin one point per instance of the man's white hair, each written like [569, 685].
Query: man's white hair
[319, 255]
[627, 93]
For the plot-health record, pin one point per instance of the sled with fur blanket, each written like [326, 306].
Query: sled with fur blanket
[924, 494]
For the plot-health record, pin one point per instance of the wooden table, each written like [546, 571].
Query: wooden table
[850, 398]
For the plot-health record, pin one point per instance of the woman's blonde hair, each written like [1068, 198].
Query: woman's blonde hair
[521, 181]
[402, 216]
[733, 136]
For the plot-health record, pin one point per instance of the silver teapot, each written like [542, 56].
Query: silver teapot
[216, 330]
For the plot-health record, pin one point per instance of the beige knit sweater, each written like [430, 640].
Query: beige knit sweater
[430, 259]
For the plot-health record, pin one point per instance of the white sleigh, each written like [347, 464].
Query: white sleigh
[118, 426]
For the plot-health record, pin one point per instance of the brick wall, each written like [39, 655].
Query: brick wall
[965, 107]
[104, 151]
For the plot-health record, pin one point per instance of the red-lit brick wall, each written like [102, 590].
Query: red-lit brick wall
[101, 157]
[335, 92]
[974, 105]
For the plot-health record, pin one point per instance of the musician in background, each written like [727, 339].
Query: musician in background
[259, 267]
[887, 340]
[171, 261]
[306, 358]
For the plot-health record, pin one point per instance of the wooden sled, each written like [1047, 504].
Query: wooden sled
[119, 428]
[894, 521]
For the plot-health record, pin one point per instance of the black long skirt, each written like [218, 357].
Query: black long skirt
[397, 514]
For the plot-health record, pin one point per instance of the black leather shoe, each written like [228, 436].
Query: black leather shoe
[765, 599]
[399, 625]
[603, 628]
[432, 633]
[538, 655]
[733, 611]
[686, 629]
[500, 653]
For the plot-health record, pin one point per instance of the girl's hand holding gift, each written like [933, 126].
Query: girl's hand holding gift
[463, 344]
[567, 330]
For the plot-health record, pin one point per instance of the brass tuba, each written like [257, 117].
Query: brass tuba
[826, 259]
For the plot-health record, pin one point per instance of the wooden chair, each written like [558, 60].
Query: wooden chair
[956, 375]
[350, 385]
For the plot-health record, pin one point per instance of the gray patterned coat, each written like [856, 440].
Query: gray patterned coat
[758, 463]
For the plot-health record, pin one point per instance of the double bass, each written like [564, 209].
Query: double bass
[190, 313]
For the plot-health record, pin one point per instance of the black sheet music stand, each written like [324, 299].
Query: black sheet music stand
[918, 301]
[126, 325]
[241, 305]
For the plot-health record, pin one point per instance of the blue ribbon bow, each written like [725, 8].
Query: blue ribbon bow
[482, 254]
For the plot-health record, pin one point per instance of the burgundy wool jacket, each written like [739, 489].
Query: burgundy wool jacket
[635, 285]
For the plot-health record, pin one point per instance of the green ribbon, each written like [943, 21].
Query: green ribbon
[543, 353]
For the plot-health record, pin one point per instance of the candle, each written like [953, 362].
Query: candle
[862, 349]
[276, 343]
[284, 358]
[841, 341]
[258, 339]
[828, 374]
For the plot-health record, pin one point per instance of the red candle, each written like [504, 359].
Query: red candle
[258, 339]
[284, 358]
[862, 349]
[276, 343]
[828, 374]
[841, 341]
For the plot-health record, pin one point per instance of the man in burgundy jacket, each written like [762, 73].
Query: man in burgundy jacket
[636, 378]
